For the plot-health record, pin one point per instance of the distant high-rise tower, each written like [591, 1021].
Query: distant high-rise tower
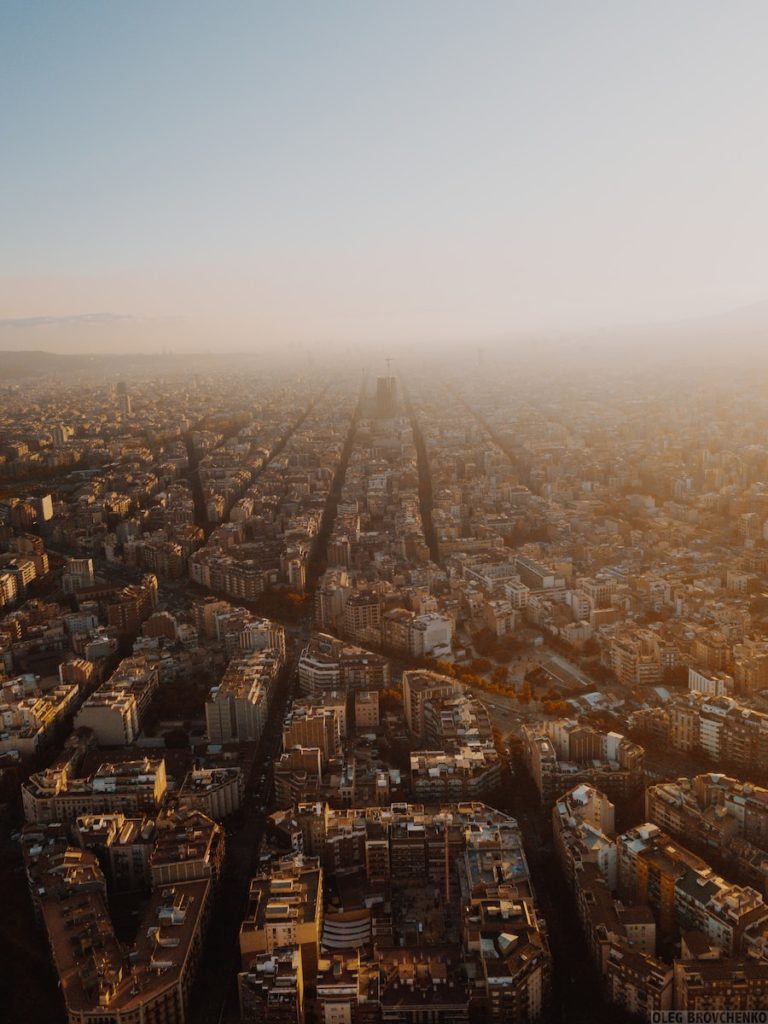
[386, 396]
[123, 398]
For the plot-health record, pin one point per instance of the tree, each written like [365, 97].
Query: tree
[555, 707]
[391, 699]
[480, 666]
[483, 641]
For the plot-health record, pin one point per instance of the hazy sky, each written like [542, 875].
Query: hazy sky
[283, 172]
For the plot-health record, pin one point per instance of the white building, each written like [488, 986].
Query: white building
[717, 684]
[237, 709]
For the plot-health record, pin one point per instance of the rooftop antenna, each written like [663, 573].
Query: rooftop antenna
[389, 360]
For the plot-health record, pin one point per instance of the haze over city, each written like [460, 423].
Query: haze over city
[383, 513]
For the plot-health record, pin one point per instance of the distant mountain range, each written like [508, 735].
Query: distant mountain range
[14, 365]
[133, 339]
[37, 363]
[89, 333]
[84, 319]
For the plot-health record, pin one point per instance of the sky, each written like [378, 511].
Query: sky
[260, 174]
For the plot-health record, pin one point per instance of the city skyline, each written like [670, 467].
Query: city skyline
[383, 512]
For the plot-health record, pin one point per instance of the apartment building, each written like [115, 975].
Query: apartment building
[237, 709]
[421, 686]
[29, 716]
[498, 969]
[129, 787]
[271, 990]
[583, 828]
[718, 812]
[115, 710]
[285, 910]
[315, 725]
[471, 772]
[217, 792]
[559, 754]
[101, 981]
[329, 664]
[684, 891]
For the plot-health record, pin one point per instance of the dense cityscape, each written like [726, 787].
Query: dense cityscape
[384, 512]
[383, 697]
